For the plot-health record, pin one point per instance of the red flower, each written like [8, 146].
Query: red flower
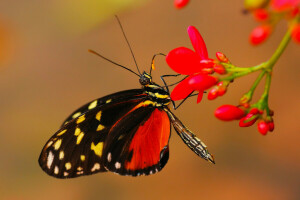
[193, 63]
[229, 112]
[283, 5]
[180, 3]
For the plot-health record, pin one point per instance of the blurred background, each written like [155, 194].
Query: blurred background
[46, 73]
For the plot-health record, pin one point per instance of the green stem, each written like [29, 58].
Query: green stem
[263, 102]
[239, 72]
[257, 81]
[283, 44]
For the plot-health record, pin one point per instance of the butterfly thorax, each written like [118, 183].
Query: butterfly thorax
[157, 94]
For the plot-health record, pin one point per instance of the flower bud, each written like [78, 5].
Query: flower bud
[260, 34]
[261, 15]
[221, 90]
[220, 69]
[180, 3]
[255, 111]
[229, 112]
[213, 93]
[263, 127]
[221, 57]
[271, 126]
[248, 120]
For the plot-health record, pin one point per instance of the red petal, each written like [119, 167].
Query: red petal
[184, 61]
[197, 42]
[181, 91]
[200, 96]
[201, 81]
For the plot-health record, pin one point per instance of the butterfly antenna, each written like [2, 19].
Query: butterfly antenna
[94, 52]
[128, 44]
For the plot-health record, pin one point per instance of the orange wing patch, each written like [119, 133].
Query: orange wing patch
[149, 140]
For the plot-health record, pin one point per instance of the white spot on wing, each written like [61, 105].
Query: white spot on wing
[66, 173]
[95, 167]
[50, 159]
[109, 157]
[118, 165]
[56, 170]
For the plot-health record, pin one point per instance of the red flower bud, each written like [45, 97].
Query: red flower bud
[261, 14]
[220, 69]
[248, 120]
[255, 111]
[213, 93]
[271, 126]
[296, 33]
[180, 3]
[221, 57]
[260, 34]
[221, 91]
[263, 127]
[229, 112]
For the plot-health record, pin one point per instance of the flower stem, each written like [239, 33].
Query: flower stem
[239, 72]
[283, 44]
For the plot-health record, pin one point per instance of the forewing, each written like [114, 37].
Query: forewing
[76, 149]
[138, 144]
[112, 98]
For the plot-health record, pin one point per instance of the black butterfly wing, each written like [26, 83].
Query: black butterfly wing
[76, 149]
[138, 143]
[119, 96]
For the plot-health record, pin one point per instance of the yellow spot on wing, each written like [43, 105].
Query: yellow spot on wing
[61, 132]
[77, 131]
[57, 144]
[68, 166]
[98, 115]
[82, 157]
[61, 155]
[97, 148]
[93, 105]
[80, 119]
[108, 101]
[76, 115]
[100, 127]
[79, 138]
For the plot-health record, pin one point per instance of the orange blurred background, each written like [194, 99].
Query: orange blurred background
[48, 73]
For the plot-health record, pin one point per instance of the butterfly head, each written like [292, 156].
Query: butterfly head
[145, 78]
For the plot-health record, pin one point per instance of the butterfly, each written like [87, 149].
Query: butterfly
[126, 132]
